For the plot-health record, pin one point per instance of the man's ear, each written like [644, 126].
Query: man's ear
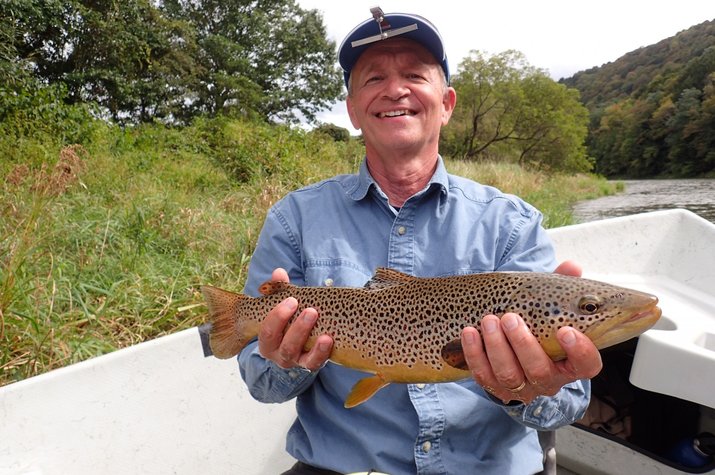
[351, 113]
[449, 101]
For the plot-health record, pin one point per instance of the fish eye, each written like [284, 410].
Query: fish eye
[589, 304]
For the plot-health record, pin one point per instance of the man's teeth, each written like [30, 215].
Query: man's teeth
[394, 113]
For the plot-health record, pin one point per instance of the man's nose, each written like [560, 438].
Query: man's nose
[396, 88]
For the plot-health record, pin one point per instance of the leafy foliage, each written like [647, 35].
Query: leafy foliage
[142, 60]
[507, 108]
[652, 110]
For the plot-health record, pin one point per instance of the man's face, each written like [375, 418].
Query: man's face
[398, 96]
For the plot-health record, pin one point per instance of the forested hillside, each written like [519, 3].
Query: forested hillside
[653, 110]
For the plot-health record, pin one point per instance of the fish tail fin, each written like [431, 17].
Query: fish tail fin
[227, 337]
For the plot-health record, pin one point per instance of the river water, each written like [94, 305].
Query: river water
[640, 196]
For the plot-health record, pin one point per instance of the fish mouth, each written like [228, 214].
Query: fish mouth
[620, 331]
[652, 313]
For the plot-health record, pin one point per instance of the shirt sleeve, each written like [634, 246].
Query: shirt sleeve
[550, 413]
[277, 247]
[268, 382]
[525, 245]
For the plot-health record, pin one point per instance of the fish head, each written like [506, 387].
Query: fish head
[605, 313]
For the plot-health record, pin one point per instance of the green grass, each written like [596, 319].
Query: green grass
[106, 245]
[553, 194]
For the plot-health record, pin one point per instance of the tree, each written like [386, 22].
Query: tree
[142, 60]
[509, 109]
[123, 56]
[268, 56]
[552, 128]
[488, 93]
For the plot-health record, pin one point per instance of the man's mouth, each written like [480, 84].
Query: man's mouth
[397, 113]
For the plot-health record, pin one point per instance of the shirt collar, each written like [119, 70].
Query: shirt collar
[365, 180]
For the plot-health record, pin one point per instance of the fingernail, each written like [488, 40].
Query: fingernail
[469, 337]
[323, 347]
[489, 325]
[509, 322]
[290, 303]
[309, 317]
[568, 337]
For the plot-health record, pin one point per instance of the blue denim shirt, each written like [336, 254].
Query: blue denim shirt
[337, 232]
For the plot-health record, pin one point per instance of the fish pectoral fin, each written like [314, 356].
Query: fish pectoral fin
[364, 390]
[453, 355]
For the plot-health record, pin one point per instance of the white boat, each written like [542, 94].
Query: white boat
[163, 407]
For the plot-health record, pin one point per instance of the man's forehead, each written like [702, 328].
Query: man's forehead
[394, 47]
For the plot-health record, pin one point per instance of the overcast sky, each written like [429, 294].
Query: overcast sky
[561, 36]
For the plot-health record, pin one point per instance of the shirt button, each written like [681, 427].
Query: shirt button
[537, 411]
[328, 282]
[401, 230]
[420, 386]
[426, 446]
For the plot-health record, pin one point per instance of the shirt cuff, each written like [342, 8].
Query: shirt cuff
[512, 403]
[287, 380]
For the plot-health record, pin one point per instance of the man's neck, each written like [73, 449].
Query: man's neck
[401, 177]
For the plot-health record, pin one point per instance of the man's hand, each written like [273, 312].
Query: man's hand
[508, 361]
[286, 346]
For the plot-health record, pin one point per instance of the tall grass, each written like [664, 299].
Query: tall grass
[552, 194]
[106, 245]
[117, 255]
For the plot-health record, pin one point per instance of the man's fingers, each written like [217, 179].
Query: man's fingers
[285, 344]
[537, 367]
[319, 354]
[504, 363]
[583, 360]
[295, 337]
[569, 268]
[270, 334]
[280, 275]
[475, 356]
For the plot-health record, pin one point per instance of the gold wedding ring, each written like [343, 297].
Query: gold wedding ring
[519, 388]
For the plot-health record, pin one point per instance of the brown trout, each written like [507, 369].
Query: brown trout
[407, 329]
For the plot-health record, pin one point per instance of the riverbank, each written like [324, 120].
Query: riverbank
[640, 196]
[105, 245]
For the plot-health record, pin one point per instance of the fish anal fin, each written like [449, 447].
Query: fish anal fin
[453, 355]
[271, 287]
[386, 277]
[227, 336]
[364, 390]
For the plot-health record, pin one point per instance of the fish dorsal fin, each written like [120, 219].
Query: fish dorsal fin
[271, 287]
[385, 277]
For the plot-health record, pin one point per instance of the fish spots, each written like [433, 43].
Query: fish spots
[407, 321]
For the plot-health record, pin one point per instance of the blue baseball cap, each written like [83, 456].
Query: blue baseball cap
[388, 25]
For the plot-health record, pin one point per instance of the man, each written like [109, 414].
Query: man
[405, 212]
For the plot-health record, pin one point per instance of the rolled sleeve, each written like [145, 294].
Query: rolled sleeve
[268, 382]
[550, 413]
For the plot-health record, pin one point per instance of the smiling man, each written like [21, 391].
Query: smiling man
[404, 211]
